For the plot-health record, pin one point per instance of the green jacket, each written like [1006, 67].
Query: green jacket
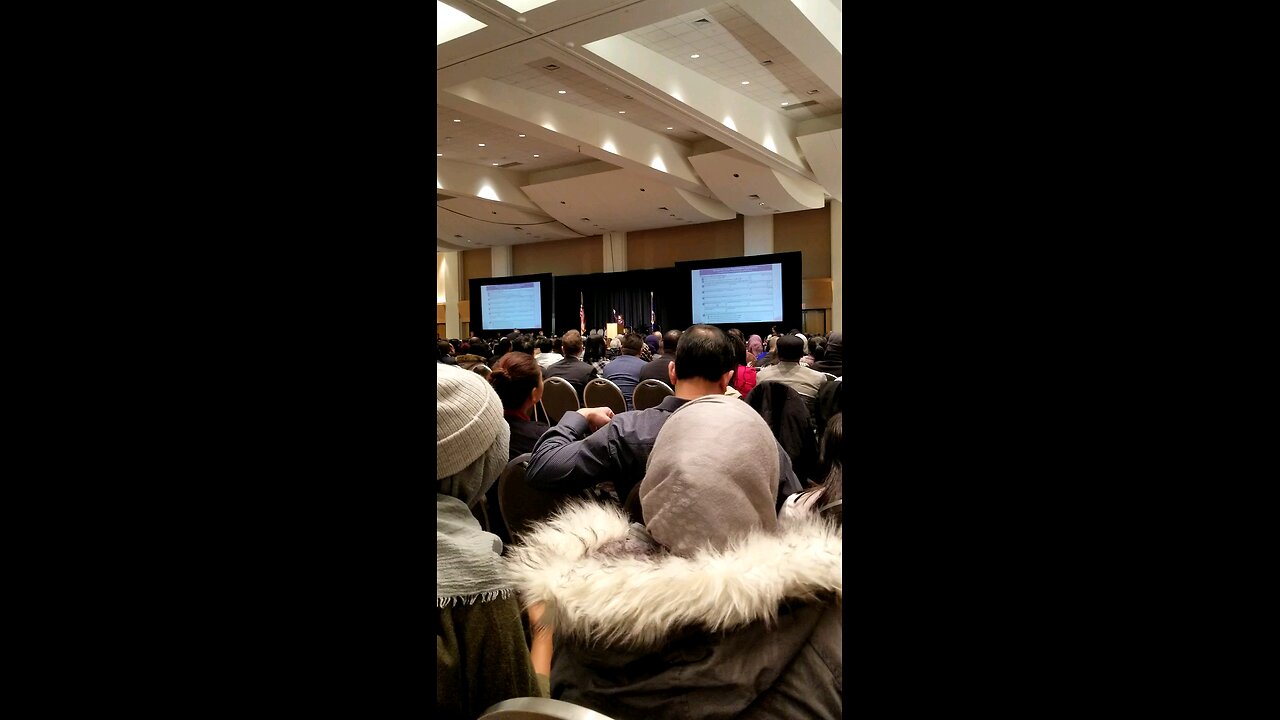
[481, 658]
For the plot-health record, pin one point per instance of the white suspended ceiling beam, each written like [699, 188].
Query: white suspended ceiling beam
[810, 29]
[595, 135]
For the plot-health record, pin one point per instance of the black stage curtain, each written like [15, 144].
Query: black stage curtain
[624, 292]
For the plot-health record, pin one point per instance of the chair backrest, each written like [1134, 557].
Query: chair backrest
[649, 393]
[558, 398]
[829, 376]
[535, 708]
[603, 392]
[521, 505]
[791, 423]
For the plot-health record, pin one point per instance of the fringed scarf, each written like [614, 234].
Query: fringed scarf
[468, 559]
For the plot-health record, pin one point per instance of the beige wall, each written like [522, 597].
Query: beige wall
[475, 264]
[808, 231]
[577, 256]
[664, 247]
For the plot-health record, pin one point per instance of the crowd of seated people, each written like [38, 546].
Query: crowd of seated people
[698, 484]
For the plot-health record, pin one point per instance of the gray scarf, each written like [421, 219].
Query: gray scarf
[468, 559]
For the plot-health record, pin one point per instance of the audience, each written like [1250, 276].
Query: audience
[444, 353]
[481, 653]
[744, 377]
[502, 348]
[789, 371]
[593, 445]
[657, 368]
[755, 350]
[572, 368]
[546, 354]
[826, 499]
[712, 609]
[625, 370]
[833, 358]
[518, 381]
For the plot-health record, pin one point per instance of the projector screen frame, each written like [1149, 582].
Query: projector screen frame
[792, 315]
[546, 292]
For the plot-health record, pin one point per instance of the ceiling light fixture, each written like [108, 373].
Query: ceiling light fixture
[695, 56]
[746, 82]
[480, 144]
[537, 156]
[622, 112]
[522, 134]
[785, 104]
[671, 128]
[439, 154]
[457, 121]
[562, 91]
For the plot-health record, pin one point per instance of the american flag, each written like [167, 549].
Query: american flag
[582, 315]
[652, 320]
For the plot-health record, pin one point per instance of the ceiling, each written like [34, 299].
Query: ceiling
[569, 118]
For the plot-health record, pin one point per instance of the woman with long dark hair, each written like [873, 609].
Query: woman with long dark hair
[826, 499]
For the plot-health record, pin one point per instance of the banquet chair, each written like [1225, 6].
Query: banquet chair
[649, 393]
[603, 392]
[558, 398]
[522, 506]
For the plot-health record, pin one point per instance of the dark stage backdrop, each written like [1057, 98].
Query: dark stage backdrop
[626, 292]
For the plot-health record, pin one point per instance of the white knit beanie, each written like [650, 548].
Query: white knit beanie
[468, 420]
[712, 476]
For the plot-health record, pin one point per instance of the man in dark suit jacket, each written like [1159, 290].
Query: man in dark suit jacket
[572, 368]
[657, 367]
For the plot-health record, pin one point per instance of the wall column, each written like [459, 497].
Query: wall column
[837, 266]
[757, 234]
[500, 261]
[615, 251]
[452, 270]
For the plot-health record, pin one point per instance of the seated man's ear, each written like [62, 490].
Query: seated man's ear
[724, 380]
[671, 373]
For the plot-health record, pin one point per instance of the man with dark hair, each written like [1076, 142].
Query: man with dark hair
[625, 370]
[444, 353]
[572, 368]
[546, 356]
[656, 368]
[790, 372]
[593, 445]
[503, 347]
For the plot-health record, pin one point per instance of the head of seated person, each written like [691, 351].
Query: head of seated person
[697, 492]
[572, 343]
[704, 362]
[517, 378]
[631, 344]
[790, 348]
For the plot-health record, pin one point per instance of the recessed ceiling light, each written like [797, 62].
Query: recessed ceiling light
[481, 144]
[785, 104]
[671, 128]
[562, 91]
[439, 154]
[746, 82]
[695, 56]
[457, 120]
[537, 156]
[522, 134]
[622, 112]
[495, 165]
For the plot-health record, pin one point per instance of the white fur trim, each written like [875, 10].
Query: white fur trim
[630, 599]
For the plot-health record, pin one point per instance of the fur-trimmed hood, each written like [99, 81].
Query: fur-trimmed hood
[603, 580]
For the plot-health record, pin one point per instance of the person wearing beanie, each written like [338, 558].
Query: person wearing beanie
[481, 654]
[712, 608]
